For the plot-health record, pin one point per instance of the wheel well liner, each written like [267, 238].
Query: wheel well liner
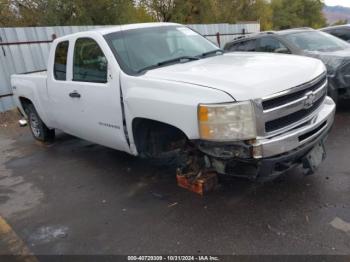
[154, 137]
[24, 102]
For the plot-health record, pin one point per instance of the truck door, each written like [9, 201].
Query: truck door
[87, 104]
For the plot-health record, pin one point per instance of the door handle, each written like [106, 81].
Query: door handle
[75, 94]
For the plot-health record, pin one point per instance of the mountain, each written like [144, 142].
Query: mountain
[336, 13]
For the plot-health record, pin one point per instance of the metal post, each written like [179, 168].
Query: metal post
[218, 38]
[3, 49]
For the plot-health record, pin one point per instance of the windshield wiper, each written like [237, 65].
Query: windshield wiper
[181, 59]
[216, 51]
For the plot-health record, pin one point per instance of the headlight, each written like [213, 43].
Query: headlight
[227, 122]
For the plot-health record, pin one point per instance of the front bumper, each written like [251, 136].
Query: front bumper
[270, 168]
[270, 157]
[319, 123]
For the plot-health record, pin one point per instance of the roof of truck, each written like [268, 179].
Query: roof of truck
[111, 29]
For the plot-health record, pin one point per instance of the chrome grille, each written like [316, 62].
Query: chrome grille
[291, 108]
[281, 100]
[292, 118]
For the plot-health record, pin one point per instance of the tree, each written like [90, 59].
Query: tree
[18, 12]
[276, 14]
[161, 10]
[256, 10]
[313, 14]
[297, 13]
[191, 11]
[6, 14]
[65, 12]
[341, 22]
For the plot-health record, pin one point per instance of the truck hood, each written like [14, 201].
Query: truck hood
[244, 76]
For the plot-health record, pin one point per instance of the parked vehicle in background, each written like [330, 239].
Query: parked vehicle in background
[340, 31]
[163, 92]
[334, 52]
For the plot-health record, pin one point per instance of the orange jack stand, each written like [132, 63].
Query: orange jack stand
[201, 183]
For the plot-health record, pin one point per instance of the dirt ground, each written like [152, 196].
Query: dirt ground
[9, 119]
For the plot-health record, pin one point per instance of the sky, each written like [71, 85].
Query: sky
[338, 2]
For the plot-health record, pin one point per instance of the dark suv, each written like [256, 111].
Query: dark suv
[334, 52]
[341, 31]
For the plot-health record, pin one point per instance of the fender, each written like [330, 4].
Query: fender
[168, 102]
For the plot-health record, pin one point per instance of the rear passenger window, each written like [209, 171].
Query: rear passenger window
[89, 62]
[247, 46]
[60, 65]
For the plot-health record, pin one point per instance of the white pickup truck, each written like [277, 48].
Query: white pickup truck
[161, 90]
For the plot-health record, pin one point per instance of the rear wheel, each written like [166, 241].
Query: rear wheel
[38, 128]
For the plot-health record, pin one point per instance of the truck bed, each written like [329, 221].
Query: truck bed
[32, 86]
[39, 73]
[35, 73]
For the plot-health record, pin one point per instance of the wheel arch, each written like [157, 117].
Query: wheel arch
[144, 129]
[24, 102]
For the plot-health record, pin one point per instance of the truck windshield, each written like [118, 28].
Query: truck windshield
[143, 49]
[316, 41]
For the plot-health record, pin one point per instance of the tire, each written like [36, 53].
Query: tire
[37, 127]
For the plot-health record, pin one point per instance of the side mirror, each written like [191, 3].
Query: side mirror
[282, 50]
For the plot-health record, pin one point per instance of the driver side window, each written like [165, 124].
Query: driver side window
[89, 62]
[272, 45]
[343, 33]
[245, 46]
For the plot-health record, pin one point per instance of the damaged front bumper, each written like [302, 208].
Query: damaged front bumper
[268, 157]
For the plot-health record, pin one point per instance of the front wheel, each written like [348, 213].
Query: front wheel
[37, 127]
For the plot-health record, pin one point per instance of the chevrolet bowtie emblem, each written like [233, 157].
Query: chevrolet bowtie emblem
[309, 101]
